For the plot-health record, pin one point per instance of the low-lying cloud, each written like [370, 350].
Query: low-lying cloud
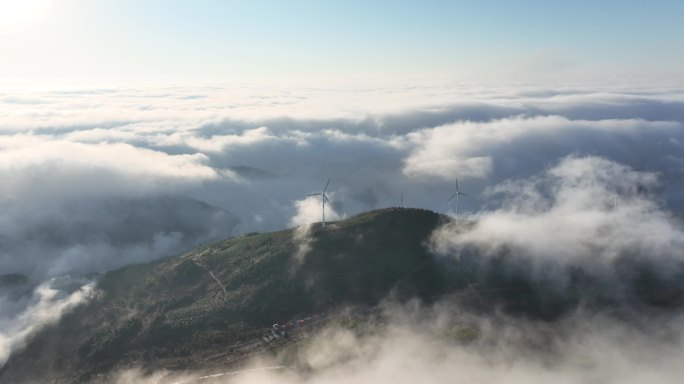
[445, 344]
[476, 150]
[580, 209]
[96, 179]
[46, 305]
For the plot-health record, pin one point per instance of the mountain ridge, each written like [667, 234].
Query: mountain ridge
[162, 312]
[190, 311]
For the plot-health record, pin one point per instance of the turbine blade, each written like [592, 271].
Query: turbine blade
[326, 197]
[463, 194]
[314, 194]
[326, 186]
[457, 184]
[452, 196]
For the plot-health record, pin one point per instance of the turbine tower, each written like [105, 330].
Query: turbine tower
[456, 195]
[401, 202]
[324, 198]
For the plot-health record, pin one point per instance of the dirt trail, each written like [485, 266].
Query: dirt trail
[211, 273]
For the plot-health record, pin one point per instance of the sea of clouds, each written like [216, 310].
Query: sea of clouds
[94, 179]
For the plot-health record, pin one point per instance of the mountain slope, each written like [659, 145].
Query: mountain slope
[196, 310]
[180, 311]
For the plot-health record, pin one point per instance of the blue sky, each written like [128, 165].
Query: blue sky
[214, 41]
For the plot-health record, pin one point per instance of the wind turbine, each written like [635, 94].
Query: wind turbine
[324, 198]
[401, 202]
[456, 195]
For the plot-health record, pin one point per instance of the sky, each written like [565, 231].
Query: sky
[209, 41]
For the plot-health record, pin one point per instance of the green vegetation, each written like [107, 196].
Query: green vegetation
[200, 303]
[463, 334]
[201, 308]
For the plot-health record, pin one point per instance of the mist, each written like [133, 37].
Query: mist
[45, 306]
[580, 213]
[76, 174]
[446, 343]
[583, 177]
[580, 207]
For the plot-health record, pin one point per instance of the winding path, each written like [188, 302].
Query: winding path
[223, 287]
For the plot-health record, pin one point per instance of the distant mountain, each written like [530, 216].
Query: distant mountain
[187, 311]
[12, 280]
[15, 286]
[251, 172]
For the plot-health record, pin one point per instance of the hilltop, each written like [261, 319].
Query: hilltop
[195, 310]
[180, 311]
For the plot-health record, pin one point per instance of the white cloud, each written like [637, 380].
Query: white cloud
[310, 210]
[252, 151]
[585, 347]
[46, 307]
[567, 215]
[93, 179]
[32, 165]
[472, 149]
